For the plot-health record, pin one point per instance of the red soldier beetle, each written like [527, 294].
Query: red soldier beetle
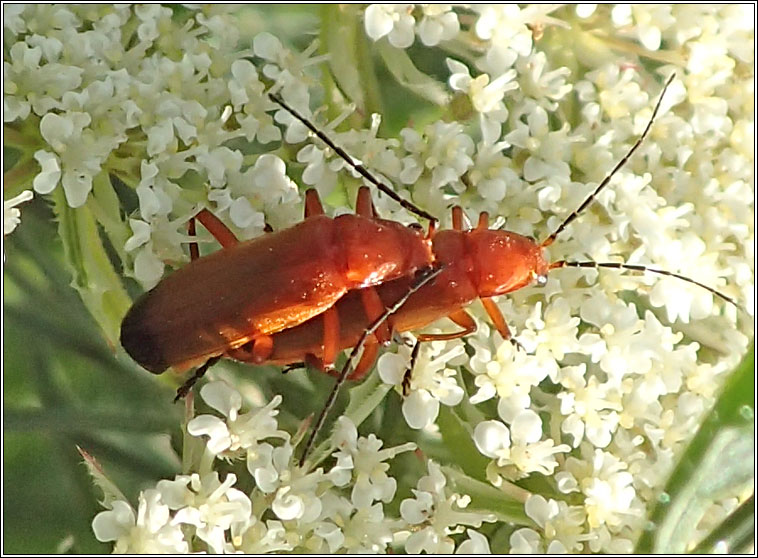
[479, 263]
[243, 293]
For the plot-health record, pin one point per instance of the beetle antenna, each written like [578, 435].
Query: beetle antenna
[423, 277]
[644, 269]
[360, 169]
[550, 239]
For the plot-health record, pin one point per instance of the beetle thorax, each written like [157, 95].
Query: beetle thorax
[505, 261]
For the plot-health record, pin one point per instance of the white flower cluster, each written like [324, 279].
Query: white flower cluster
[619, 369]
[625, 378]
[288, 508]
[133, 93]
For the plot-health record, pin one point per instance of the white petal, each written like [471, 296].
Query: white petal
[526, 427]
[287, 506]
[48, 178]
[491, 436]
[111, 524]
[392, 367]
[420, 409]
[476, 544]
[377, 21]
[222, 397]
[148, 269]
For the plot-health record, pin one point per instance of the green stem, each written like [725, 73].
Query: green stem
[20, 177]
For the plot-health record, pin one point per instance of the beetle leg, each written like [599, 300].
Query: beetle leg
[493, 311]
[457, 218]
[374, 307]
[364, 205]
[185, 388]
[193, 247]
[263, 346]
[370, 350]
[331, 336]
[220, 232]
[313, 203]
[256, 351]
[409, 371]
[293, 366]
[484, 221]
[461, 318]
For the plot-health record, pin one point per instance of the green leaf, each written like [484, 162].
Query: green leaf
[339, 34]
[405, 72]
[736, 534]
[364, 398]
[106, 208]
[111, 492]
[93, 275]
[719, 462]
[485, 497]
[457, 437]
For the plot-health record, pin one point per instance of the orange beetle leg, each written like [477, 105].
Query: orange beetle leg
[370, 350]
[364, 205]
[220, 232]
[461, 318]
[313, 203]
[493, 311]
[374, 307]
[484, 221]
[457, 218]
[331, 336]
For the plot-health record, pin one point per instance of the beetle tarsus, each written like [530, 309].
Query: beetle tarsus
[187, 386]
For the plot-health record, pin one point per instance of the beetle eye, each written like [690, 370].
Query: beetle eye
[540, 280]
[416, 226]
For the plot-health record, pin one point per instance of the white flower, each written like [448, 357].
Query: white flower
[367, 460]
[32, 84]
[436, 514]
[285, 64]
[294, 489]
[440, 23]
[431, 382]
[526, 541]
[443, 149]
[511, 374]
[261, 537]
[11, 213]
[212, 507]
[238, 432]
[270, 181]
[544, 87]
[610, 497]
[591, 407]
[247, 94]
[517, 451]
[46, 181]
[149, 532]
[358, 530]
[562, 525]
[648, 22]
[548, 149]
[392, 20]
[486, 95]
[475, 544]
[150, 16]
[80, 153]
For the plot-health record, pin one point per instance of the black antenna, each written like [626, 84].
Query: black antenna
[550, 239]
[349, 160]
[643, 269]
[422, 278]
